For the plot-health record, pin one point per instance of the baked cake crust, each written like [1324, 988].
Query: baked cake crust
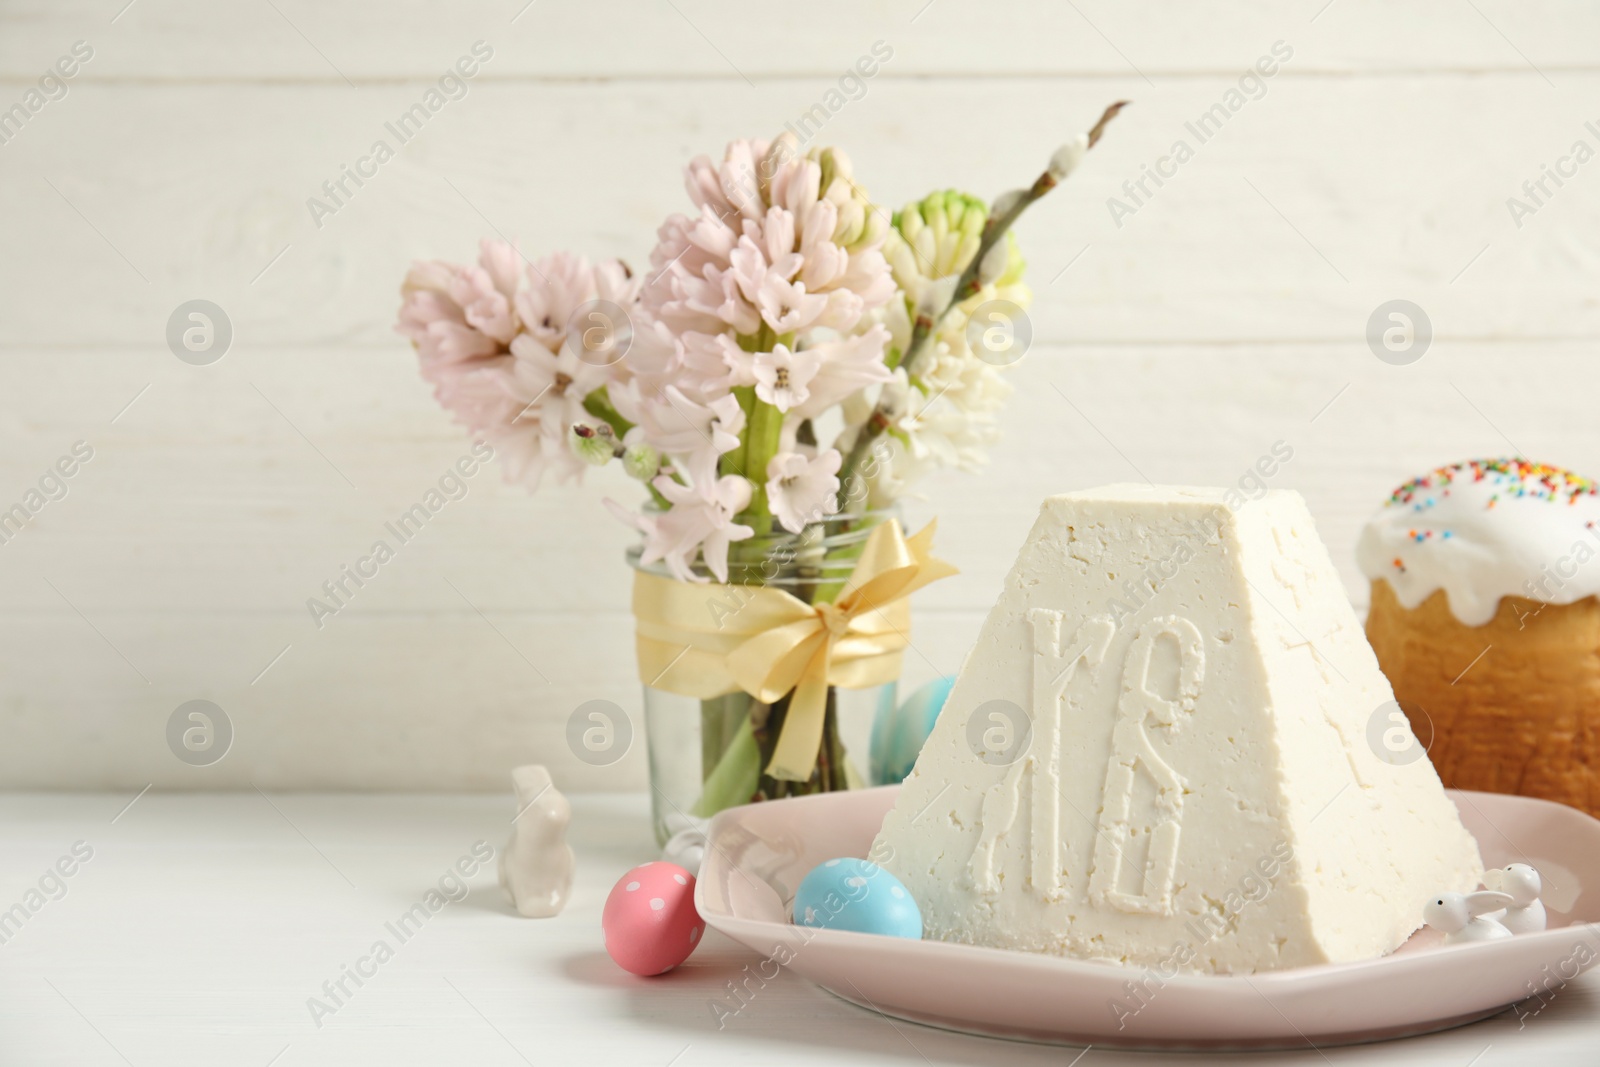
[1512, 706]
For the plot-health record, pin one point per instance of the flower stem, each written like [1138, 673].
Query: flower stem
[598, 403]
[761, 444]
[733, 462]
[734, 778]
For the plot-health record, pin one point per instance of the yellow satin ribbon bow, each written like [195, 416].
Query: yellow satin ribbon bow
[705, 641]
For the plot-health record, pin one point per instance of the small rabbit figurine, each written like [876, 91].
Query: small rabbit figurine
[1462, 917]
[1525, 914]
[536, 864]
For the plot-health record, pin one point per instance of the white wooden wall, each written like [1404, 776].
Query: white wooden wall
[1226, 314]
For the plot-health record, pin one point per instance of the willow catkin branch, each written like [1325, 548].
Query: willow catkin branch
[994, 231]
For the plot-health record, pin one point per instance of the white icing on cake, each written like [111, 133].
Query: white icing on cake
[1199, 790]
[1486, 529]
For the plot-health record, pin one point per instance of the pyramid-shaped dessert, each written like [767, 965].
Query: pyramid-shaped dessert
[1172, 747]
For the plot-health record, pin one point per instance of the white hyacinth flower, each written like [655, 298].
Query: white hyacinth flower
[782, 376]
[803, 490]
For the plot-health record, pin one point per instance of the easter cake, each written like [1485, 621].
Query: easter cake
[1486, 618]
[1160, 753]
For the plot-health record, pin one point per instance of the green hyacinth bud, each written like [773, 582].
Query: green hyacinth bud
[595, 445]
[641, 461]
[953, 222]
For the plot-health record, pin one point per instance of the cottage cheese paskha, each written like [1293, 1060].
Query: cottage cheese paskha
[1160, 753]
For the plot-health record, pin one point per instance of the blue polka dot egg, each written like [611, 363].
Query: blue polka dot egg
[857, 895]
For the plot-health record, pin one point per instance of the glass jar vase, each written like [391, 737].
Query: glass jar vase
[712, 753]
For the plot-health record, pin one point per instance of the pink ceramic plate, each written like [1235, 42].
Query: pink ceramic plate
[758, 854]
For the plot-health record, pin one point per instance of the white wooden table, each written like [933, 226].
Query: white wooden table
[202, 924]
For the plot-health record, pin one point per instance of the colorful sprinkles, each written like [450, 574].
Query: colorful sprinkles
[1509, 478]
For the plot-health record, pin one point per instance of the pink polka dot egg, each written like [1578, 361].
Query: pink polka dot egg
[650, 923]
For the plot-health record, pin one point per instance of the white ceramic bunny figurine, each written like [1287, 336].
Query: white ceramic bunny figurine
[1525, 914]
[536, 864]
[1461, 917]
